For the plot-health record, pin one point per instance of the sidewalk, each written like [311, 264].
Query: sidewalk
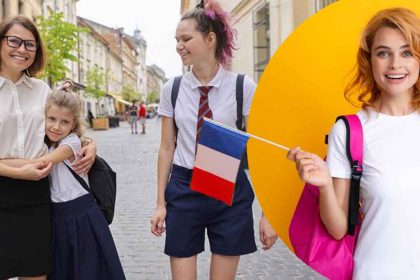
[134, 159]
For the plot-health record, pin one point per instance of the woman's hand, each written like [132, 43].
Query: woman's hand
[157, 221]
[33, 171]
[311, 168]
[86, 158]
[268, 235]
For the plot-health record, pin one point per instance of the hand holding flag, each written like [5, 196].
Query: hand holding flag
[219, 153]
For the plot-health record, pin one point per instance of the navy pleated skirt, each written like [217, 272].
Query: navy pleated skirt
[25, 228]
[83, 247]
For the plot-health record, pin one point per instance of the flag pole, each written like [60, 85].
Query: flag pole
[247, 134]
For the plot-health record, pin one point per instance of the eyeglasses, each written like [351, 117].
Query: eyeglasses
[16, 42]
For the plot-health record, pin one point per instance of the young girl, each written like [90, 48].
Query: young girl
[83, 247]
[205, 42]
[387, 85]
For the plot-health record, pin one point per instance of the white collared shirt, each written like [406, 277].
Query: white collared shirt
[64, 186]
[222, 102]
[22, 118]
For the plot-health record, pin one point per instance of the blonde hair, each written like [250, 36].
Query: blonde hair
[66, 98]
[363, 84]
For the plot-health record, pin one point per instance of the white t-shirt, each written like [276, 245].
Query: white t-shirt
[222, 102]
[64, 187]
[389, 242]
[22, 118]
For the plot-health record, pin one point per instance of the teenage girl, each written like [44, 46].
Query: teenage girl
[82, 243]
[204, 41]
[387, 84]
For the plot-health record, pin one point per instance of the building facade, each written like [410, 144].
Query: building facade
[122, 60]
[68, 9]
[269, 22]
[29, 8]
[155, 79]
[140, 45]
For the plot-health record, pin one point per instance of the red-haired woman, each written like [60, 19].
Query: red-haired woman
[387, 85]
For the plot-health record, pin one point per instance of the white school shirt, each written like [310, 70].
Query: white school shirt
[222, 102]
[388, 246]
[22, 118]
[64, 187]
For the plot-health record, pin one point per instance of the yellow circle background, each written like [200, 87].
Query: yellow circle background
[299, 96]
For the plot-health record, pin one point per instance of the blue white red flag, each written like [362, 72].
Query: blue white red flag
[219, 153]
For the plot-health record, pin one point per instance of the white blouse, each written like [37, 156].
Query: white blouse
[22, 118]
[222, 102]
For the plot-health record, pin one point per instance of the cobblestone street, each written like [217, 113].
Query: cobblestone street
[134, 157]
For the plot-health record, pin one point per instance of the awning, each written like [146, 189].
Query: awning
[119, 99]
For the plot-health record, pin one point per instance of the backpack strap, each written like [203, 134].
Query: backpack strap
[80, 180]
[239, 101]
[354, 150]
[174, 97]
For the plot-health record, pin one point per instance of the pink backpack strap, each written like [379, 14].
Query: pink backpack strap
[354, 150]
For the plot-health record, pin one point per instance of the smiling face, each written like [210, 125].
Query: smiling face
[16, 60]
[192, 46]
[59, 123]
[395, 68]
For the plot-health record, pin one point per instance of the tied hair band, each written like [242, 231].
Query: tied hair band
[200, 5]
[208, 11]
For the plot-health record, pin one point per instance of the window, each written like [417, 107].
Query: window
[261, 23]
[319, 4]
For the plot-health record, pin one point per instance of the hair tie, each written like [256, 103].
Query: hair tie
[200, 5]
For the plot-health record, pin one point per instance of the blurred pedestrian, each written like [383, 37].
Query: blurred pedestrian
[90, 118]
[132, 112]
[143, 116]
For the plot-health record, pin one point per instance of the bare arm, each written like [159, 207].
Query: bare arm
[165, 157]
[61, 153]
[334, 205]
[86, 158]
[268, 235]
[16, 162]
[32, 171]
[334, 192]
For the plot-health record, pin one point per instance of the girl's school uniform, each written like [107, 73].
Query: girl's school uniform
[25, 206]
[230, 229]
[83, 247]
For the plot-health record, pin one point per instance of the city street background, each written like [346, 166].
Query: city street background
[134, 158]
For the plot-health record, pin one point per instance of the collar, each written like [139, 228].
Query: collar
[215, 82]
[24, 79]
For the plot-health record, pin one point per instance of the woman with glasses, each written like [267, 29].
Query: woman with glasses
[25, 226]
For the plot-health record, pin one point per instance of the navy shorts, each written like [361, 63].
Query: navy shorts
[230, 229]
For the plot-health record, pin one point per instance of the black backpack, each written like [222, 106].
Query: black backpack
[103, 186]
[239, 105]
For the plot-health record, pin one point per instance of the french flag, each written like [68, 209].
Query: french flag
[219, 153]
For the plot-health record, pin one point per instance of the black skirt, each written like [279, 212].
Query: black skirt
[25, 228]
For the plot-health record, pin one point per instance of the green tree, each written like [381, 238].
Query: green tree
[95, 82]
[152, 97]
[129, 93]
[60, 38]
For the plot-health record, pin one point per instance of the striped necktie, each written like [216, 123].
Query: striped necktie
[203, 109]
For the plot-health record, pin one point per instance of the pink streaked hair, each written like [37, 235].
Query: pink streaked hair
[210, 17]
[213, 10]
